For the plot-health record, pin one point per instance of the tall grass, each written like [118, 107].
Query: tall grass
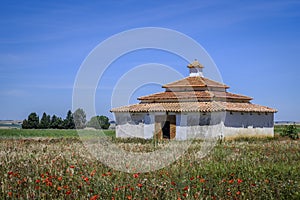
[63, 169]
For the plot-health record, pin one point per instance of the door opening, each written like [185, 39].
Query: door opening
[166, 129]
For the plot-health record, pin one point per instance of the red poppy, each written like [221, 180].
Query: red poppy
[202, 180]
[140, 185]
[135, 175]
[59, 178]
[173, 183]
[192, 178]
[231, 181]
[72, 166]
[68, 192]
[239, 181]
[108, 173]
[186, 188]
[185, 194]
[59, 188]
[9, 194]
[129, 197]
[93, 172]
[49, 183]
[37, 180]
[10, 173]
[238, 193]
[86, 179]
[94, 197]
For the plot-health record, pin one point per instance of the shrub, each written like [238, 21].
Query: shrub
[290, 131]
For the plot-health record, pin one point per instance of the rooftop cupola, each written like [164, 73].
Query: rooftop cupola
[195, 68]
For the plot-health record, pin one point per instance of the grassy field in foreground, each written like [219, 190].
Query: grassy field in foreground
[64, 169]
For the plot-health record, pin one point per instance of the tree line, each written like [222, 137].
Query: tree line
[72, 121]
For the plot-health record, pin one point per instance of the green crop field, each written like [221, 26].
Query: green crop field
[62, 168]
[47, 133]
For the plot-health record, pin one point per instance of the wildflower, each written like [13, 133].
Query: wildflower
[131, 188]
[9, 194]
[49, 183]
[135, 175]
[239, 181]
[94, 197]
[59, 188]
[72, 166]
[238, 193]
[267, 181]
[108, 173]
[185, 194]
[186, 188]
[192, 178]
[37, 180]
[68, 192]
[140, 185]
[93, 173]
[86, 179]
[10, 173]
[173, 183]
[116, 189]
[59, 178]
[202, 180]
[129, 197]
[231, 181]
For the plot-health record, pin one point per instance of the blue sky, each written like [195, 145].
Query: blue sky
[255, 45]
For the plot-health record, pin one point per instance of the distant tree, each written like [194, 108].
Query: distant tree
[31, 122]
[69, 121]
[104, 122]
[56, 122]
[45, 121]
[25, 124]
[99, 122]
[79, 118]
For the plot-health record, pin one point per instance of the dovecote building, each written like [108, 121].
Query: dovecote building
[194, 107]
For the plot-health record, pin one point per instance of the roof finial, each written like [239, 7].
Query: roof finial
[195, 64]
[195, 68]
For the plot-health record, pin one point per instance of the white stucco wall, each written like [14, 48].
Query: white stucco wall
[198, 125]
[134, 125]
[246, 119]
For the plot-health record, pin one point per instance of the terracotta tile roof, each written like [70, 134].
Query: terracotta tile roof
[195, 81]
[212, 106]
[193, 96]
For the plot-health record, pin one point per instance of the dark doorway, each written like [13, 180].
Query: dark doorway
[166, 130]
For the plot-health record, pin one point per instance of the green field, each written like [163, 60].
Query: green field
[47, 133]
[58, 166]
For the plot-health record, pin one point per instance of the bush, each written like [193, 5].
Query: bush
[290, 131]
